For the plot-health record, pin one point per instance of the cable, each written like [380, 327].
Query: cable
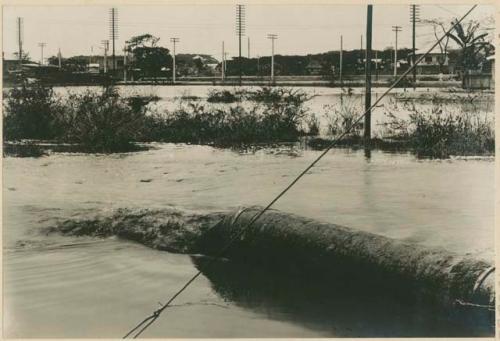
[152, 318]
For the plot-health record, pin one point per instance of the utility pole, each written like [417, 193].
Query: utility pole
[105, 43]
[225, 63]
[90, 56]
[258, 65]
[173, 40]
[368, 73]
[240, 31]
[396, 29]
[414, 17]
[376, 65]
[113, 32]
[59, 58]
[42, 45]
[20, 40]
[125, 63]
[273, 37]
[341, 51]
[222, 66]
[361, 51]
[248, 38]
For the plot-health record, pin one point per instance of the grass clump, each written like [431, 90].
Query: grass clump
[438, 134]
[342, 118]
[221, 96]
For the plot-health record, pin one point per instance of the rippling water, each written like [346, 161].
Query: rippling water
[57, 286]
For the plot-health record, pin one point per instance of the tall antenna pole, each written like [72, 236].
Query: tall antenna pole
[113, 32]
[20, 40]
[396, 29]
[174, 41]
[273, 37]
[42, 45]
[248, 39]
[340, 62]
[414, 16]
[368, 73]
[240, 31]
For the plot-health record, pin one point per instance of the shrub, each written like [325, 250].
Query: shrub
[403, 83]
[104, 121]
[221, 96]
[267, 94]
[434, 133]
[342, 117]
[195, 122]
[313, 125]
[30, 112]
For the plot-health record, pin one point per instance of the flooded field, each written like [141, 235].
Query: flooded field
[324, 100]
[57, 286]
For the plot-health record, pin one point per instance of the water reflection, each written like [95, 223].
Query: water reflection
[336, 307]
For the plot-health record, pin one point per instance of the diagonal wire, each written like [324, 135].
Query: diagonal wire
[154, 316]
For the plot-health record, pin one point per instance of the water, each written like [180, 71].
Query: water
[57, 286]
[323, 101]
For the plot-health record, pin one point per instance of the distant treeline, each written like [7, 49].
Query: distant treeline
[326, 63]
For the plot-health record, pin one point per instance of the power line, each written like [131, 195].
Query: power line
[154, 316]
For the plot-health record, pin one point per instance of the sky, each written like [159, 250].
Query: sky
[301, 29]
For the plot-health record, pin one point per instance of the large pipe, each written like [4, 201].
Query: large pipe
[308, 247]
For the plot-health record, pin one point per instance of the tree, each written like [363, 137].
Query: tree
[439, 25]
[473, 47]
[149, 58]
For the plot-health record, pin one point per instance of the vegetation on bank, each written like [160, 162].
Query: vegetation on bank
[436, 132]
[104, 121]
[275, 114]
[439, 134]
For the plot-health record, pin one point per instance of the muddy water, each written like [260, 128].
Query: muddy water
[58, 286]
[325, 100]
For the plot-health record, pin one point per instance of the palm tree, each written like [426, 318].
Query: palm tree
[473, 48]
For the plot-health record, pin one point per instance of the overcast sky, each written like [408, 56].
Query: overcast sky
[301, 29]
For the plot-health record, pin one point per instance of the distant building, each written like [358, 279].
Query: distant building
[314, 68]
[109, 62]
[94, 68]
[433, 63]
